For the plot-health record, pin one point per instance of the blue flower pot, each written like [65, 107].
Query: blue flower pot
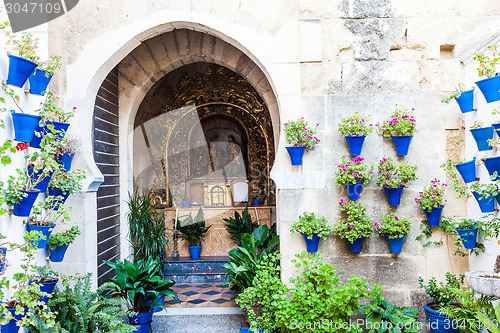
[434, 216]
[11, 326]
[394, 195]
[42, 186]
[24, 126]
[486, 205]
[311, 244]
[255, 202]
[354, 190]
[46, 231]
[490, 88]
[57, 254]
[402, 144]
[195, 252]
[439, 322]
[492, 164]
[47, 287]
[355, 143]
[158, 308]
[496, 126]
[467, 170]
[396, 244]
[19, 70]
[57, 192]
[62, 128]
[3, 257]
[39, 82]
[247, 330]
[65, 161]
[142, 321]
[482, 135]
[466, 101]
[185, 203]
[355, 246]
[23, 208]
[469, 237]
[296, 154]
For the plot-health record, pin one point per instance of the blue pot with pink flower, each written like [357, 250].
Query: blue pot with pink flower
[395, 243]
[354, 190]
[355, 143]
[355, 245]
[402, 144]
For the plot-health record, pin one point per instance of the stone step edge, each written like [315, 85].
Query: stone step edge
[200, 311]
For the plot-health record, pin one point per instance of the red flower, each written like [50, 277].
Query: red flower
[21, 146]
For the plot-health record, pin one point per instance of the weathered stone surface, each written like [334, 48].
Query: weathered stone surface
[366, 8]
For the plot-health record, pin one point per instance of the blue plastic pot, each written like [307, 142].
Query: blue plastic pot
[396, 244]
[487, 205]
[57, 192]
[195, 251]
[296, 154]
[434, 216]
[61, 129]
[496, 126]
[46, 231]
[247, 330]
[402, 144]
[142, 321]
[185, 203]
[255, 202]
[492, 164]
[39, 82]
[23, 208]
[65, 161]
[469, 237]
[394, 195]
[3, 258]
[466, 101]
[19, 70]
[355, 246]
[355, 143]
[46, 287]
[158, 308]
[354, 190]
[467, 170]
[482, 135]
[24, 126]
[490, 88]
[42, 186]
[439, 322]
[57, 254]
[11, 326]
[311, 244]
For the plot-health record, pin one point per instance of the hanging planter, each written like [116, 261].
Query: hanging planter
[19, 70]
[3, 259]
[482, 135]
[487, 205]
[394, 195]
[42, 186]
[355, 143]
[61, 129]
[466, 101]
[467, 170]
[39, 81]
[296, 154]
[65, 161]
[355, 246]
[396, 244]
[490, 88]
[46, 286]
[142, 321]
[434, 216]
[23, 208]
[402, 144]
[354, 190]
[57, 192]
[57, 254]
[439, 322]
[311, 243]
[24, 126]
[469, 237]
[496, 126]
[11, 326]
[46, 231]
[195, 251]
[492, 164]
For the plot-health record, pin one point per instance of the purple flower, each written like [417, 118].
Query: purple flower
[352, 225]
[396, 218]
[376, 225]
[355, 174]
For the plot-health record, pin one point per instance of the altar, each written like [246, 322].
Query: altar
[218, 241]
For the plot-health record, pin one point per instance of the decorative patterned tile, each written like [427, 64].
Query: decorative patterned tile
[189, 293]
[197, 301]
[201, 295]
[213, 292]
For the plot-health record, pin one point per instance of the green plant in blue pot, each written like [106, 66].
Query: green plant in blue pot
[312, 229]
[354, 225]
[193, 231]
[395, 228]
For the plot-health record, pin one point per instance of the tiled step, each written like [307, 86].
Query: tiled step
[205, 269]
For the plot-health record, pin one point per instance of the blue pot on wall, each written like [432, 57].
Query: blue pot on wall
[355, 246]
[439, 322]
[47, 287]
[142, 321]
[39, 81]
[466, 101]
[492, 164]
[469, 237]
[19, 70]
[496, 126]
[65, 161]
[24, 126]
[434, 216]
[355, 143]
[11, 326]
[402, 144]
[467, 170]
[311, 244]
[42, 186]
[296, 154]
[394, 195]
[354, 190]
[195, 251]
[490, 88]
[487, 205]
[247, 330]
[482, 135]
[62, 128]
[23, 208]
[57, 192]
[3, 258]
[57, 254]
[396, 244]
[46, 230]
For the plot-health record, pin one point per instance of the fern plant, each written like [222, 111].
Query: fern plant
[240, 224]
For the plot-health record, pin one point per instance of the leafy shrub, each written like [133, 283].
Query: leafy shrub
[354, 222]
[353, 171]
[355, 125]
[395, 175]
[308, 224]
[298, 133]
[394, 226]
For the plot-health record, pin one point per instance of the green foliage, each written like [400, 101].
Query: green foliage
[355, 125]
[147, 230]
[432, 196]
[394, 226]
[354, 222]
[456, 94]
[400, 123]
[44, 212]
[308, 224]
[441, 292]
[382, 316]
[240, 224]
[353, 171]
[395, 175]
[51, 112]
[139, 284]
[298, 133]
[456, 182]
[487, 65]
[488, 323]
[63, 238]
[24, 46]
[477, 124]
[318, 297]
[486, 191]
[193, 229]
[51, 65]
[68, 181]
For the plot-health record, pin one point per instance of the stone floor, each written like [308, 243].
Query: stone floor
[201, 295]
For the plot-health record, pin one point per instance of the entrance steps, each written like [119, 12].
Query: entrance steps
[203, 270]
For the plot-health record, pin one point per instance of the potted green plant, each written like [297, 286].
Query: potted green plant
[353, 174]
[400, 127]
[490, 87]
[382, 315]
[41, 76]
[467, 230]
[355, 129]
[65, 151]
[63, 184]
[431, 199]
[58, 243]
[301, 137]
[139, 284]
[45, 223]
[481, 135]
[485, 195]
[354, 224]
[193, 231]
[394, 177]
[185, 201]
[465, 99]
[311, 228]
[395, 230]
[240, 224]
